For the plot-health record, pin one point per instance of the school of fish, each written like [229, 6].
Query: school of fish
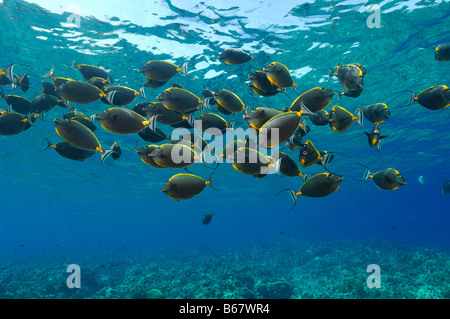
[180, 108]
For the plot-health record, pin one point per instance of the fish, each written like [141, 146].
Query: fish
[442, 52]
[163, 115]
[231, 148]
[121, 95]
[314, 100]
[434, 98]
[80, 136]
[152, 84]
[179, 100]
[387, 179]
[45, 102]
[421, 180]
[279, 75]
[351, 93]
[309, 155]
[296, 140]
[446, 188]
[341, 119]
[320, 185]
[279, 128]
[158, 70]
[263, 93]
[91, 71]
[8, 77]
[229, 101]
[375, 137]
[376, 113]
[153, 136]
[12, 124]
[17, 103]
[85, 121]
[350, 75]
[174, 156]
[258, 117]
[99, 82]
[260, 81]
[207, 219]
[80, 92]
[122, 121]
[320, 118]
[251, 162]
[287, 166]
[69, 151]
[211, 122]
[144, 154]
[232, 56]
[185, 186]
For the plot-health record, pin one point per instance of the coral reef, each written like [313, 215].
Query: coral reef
[286, 269]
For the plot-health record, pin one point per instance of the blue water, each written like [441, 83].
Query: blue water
[54, 208]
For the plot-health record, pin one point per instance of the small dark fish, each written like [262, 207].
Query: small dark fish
[234, 56]
[162, 71]
[144, 154]
[351, 93]
[163, 115]
[376, 113]
[287, 166]
[446, 188]
[72, 114]
[12, 124]
[122, 121]
[85, 121]
[388, 179]
[91, 71]
[261, 82]
[207, 219]
[309, 155]
[174, 155]
[279, 75]
[320, 118]
[17, 103]
[179, 100]
[341, 119]
[433, 98]
[350, 76]
[185, 186]
[442, 52]
[375, 137]
[251, 162]
[258, 117]
[263, 93]
[69, 151]
[44, 103]
[211, 121]
[295, 141]
[152, 84]
[229, 101]
[153, 136]
[314, 100]
[320, 185]
[98, 82]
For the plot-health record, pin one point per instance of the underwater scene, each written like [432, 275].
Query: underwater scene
[172, 149]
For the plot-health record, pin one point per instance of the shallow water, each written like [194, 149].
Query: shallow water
[64, 212]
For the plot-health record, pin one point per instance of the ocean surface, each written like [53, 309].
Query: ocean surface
[128, 237]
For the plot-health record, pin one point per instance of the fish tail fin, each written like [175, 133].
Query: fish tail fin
[49, 145]
[29, 119]
[152, 122]
[142, 92]
[107, 153]
[412, 98]
[184, 69]
[74, 65]
[50, 74]
[367, 174]
[210, 183]
[9, 74]
[206, 103]
[305, 177]
[110, 97]
[380, 143]
[330, 73]
[326, 159]
[305, 111]
[359, 117]
[293, 194]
